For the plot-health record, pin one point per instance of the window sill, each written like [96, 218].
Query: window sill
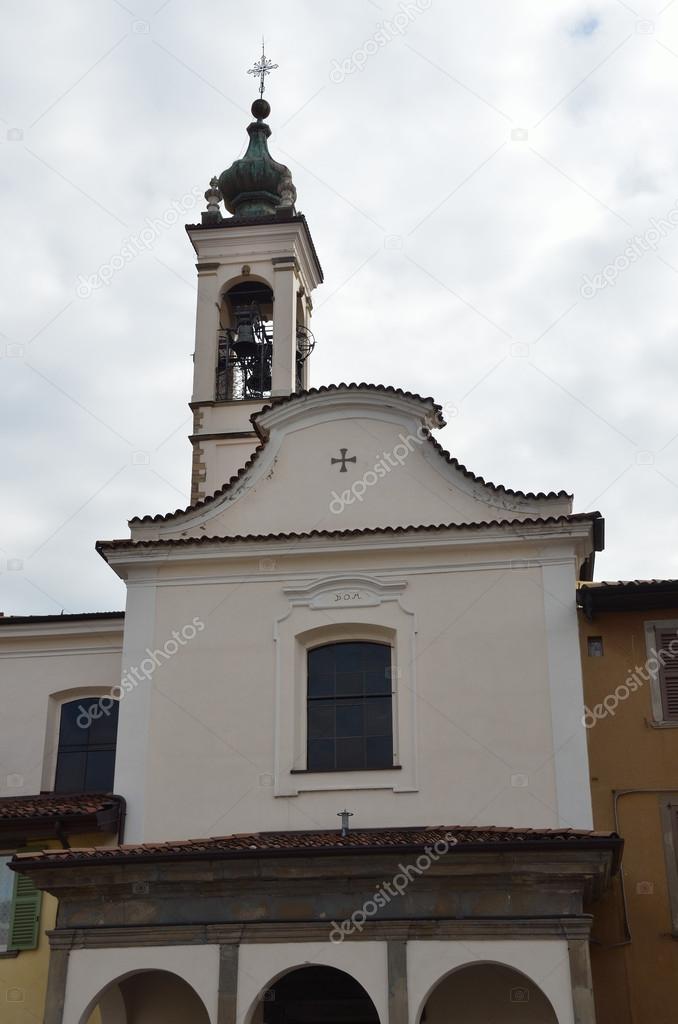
[355, 771]
[8, 954]
[661, 725]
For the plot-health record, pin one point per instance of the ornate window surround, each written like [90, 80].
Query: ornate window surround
[332, 608]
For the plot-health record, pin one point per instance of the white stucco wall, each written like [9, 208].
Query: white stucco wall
[219, 723]
[41, 666]
[487, 681]
[398, 478]
[544, 962]
[90, 971]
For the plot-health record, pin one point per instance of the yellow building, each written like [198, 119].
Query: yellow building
[46, 821]
[629, 639]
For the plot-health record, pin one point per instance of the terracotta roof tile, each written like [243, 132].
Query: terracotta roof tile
[627, 595]
[324, 389]
[326, 842]
[17, 620]
[529, 495]
[611, 584]
[328, 389]
[52, 805]
[104, 545]
[274, 403]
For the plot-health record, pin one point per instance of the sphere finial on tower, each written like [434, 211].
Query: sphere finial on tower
[256, 185]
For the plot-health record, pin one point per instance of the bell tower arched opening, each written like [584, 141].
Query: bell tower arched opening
[245, 350]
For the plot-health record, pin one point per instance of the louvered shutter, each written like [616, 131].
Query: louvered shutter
[24, 922]
[667, 647]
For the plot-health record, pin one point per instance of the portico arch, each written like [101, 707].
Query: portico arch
[313, 992]
[146, 997]
[477, 992]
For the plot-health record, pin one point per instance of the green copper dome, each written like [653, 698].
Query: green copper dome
[257, 185]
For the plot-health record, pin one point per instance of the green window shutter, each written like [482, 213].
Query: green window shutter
[24, 922]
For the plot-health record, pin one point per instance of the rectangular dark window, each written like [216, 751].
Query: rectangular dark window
[594, 646]
[350, 719]
[87, 736]
[666, 644]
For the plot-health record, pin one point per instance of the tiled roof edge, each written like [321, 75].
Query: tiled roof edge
[327, 389]
[18, 620]
[363, 841]
[366, 531]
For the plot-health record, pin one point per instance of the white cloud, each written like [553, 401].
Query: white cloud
[496, 234]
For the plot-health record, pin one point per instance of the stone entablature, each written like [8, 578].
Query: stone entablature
[498, 904]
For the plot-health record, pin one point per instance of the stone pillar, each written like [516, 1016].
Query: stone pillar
[397, 982]
[284, 370]
[55, 996]
[581, 981]
[228, 984]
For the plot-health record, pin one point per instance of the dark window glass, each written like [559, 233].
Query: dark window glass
[86, 755]
[350, 722]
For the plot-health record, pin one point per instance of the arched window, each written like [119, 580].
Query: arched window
[350, 718]
[86, 754]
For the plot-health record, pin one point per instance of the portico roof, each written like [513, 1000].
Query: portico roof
[45, 815]
[476, 839]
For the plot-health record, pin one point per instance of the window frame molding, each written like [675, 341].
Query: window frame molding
[659, 720]
[332, 609]
[363, 634]
[56, 702]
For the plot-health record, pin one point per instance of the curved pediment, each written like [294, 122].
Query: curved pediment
[349, 457]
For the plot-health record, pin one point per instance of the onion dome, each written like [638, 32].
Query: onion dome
[257, 185]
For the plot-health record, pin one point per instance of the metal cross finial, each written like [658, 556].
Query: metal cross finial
[263, 67]
[344, 815]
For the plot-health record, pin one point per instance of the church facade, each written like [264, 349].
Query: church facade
[341, 715]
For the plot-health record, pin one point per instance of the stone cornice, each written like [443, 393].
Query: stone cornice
[576, 927]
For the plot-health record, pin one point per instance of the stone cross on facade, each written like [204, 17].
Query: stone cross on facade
[343, 460]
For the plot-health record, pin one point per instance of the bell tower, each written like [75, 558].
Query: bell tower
[257, 269]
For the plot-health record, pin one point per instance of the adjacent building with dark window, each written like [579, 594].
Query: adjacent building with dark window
[629, 641]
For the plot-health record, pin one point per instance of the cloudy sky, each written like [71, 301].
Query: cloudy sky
[491, 187]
